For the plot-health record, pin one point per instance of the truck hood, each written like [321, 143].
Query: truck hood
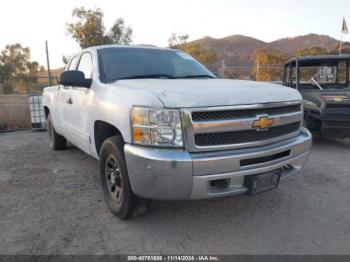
[321, 98]
[180, 93]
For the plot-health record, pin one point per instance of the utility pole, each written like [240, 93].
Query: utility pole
[48, 63]
[222, 68]
[341, 43]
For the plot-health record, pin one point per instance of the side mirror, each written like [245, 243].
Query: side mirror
[74, 78]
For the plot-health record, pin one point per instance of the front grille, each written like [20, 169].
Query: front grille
[337, 117]
[244, 136]
[336, 124]
[338, 106]
[243, 113]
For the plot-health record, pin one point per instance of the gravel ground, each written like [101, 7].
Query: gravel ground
[52, 203]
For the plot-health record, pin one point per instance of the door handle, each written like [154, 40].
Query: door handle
[69, 101]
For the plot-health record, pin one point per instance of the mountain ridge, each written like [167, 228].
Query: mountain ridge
[239, 49]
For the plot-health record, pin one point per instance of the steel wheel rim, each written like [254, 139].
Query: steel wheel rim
[114, 179]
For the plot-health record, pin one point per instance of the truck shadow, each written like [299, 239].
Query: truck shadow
[219, 210]
[343, 143]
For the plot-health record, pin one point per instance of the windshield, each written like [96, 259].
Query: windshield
[130, 63]
[323, 76]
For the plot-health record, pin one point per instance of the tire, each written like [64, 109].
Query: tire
[119, 198]
[56, 141]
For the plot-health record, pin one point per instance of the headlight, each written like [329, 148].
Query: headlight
[160, 127]
[307, 103]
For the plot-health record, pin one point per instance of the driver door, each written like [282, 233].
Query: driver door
[65, 98]
[79, 105]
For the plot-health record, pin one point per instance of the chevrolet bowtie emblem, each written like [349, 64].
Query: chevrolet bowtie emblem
[263, 122]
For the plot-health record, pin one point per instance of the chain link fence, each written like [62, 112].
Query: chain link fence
[264, 72]
[21, 102]
[25, 85]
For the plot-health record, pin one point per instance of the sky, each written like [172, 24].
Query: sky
[153, 21]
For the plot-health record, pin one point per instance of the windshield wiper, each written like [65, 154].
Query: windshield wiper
[144, 77]
[196, 76]
[316, 83]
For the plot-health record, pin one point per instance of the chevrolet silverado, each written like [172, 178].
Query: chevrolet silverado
[164, 127]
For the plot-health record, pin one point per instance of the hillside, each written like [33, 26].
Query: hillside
[237, 50]
[291, 44]
[54, 72]
[240, 45]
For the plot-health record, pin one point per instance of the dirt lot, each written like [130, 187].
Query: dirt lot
[52, 203]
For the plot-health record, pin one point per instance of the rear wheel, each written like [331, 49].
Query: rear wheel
[119, 197]
[56, 141]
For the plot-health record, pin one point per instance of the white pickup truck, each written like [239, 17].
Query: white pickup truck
[164, 127]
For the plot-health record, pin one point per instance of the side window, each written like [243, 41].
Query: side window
[85, 65]
[341, 72]
[286, 75]
[73, 63]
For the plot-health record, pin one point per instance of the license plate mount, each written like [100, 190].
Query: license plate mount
[262, 182]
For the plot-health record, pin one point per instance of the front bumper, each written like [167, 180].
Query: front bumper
[332, 122]
[157, 173]
[326, 114]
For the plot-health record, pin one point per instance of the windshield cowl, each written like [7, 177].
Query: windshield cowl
[161, 76]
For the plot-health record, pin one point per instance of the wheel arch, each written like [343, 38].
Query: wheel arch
[46, 111]
[102, 131]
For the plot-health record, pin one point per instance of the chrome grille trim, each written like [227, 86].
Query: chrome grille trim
[191, 128]
[241, 124]
[243, 113]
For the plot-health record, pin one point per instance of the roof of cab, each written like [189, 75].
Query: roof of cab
[315, 59]
[130, 46]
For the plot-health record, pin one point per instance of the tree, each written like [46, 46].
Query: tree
[5, 73]
[90, 31]
[344, 50]
[16, 57]
[5, 70]
[312, 50]
[180, 42]
[268, 64]
[120, 34]
[15, 62]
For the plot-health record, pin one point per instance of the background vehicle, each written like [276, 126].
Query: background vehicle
[163, 127]
[324, 84]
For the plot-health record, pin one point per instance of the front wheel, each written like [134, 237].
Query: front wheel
[119, 197]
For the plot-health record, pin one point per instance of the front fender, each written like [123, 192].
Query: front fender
[113, 105]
